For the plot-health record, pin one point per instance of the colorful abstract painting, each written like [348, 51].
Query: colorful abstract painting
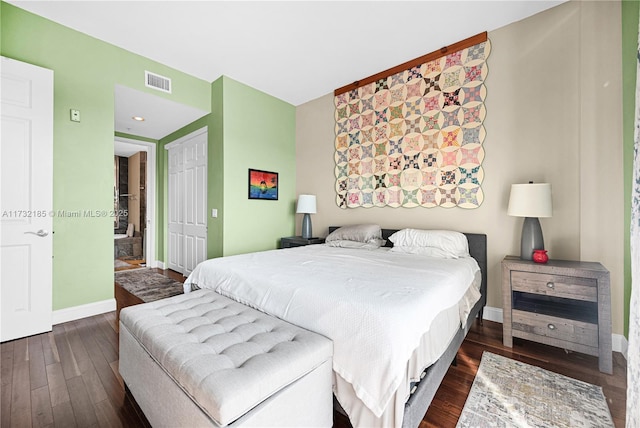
[263, 185]
[415, 138]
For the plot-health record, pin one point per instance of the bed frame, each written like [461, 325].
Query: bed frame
[418, 403]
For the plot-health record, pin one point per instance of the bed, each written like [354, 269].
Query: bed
[375, 306]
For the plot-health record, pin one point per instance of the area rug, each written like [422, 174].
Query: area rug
[148, 284]
[509, 393]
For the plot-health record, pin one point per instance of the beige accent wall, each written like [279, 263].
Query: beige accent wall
[554, 108]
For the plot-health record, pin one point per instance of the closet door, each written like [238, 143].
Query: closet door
[176, 210]
[195, 203]
[187, 204]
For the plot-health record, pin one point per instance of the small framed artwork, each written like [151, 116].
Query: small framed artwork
[263, 185]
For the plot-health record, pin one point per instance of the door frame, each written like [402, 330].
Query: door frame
[150, 236]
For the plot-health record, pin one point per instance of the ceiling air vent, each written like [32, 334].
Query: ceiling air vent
[158, 82]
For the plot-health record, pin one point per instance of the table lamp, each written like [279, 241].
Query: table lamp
[306, 206]
[531, 200]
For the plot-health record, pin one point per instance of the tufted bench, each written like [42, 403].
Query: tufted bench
[201, 359]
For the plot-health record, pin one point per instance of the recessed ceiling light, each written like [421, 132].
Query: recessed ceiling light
[138, 118]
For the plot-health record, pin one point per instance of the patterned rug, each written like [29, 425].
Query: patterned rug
[509, 393]
[147, 284]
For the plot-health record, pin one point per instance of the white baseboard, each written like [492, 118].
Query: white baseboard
[619, 343]
[492, 314]
[156, 264]
[83, 311]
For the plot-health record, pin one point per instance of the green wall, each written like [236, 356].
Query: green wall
[86, 71]
[630, 10]
[259, 133]
[215, 190]
[246, 129]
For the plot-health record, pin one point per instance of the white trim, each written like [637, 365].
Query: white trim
[618, 342]
[156, 264]
[83, 311]
[151, 226]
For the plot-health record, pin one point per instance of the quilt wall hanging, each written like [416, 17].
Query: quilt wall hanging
[414, 137]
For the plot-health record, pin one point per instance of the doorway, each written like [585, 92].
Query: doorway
[134, 203]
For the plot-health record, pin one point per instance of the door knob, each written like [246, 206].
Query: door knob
[41, 233]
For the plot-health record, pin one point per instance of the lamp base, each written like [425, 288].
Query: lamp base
[306, 226]
[531, 238]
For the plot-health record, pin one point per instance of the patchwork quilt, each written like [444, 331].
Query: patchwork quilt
[415, 138]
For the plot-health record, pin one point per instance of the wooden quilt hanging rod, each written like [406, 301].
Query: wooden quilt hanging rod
[463, 44]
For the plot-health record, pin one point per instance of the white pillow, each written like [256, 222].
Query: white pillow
[437, 243]
[425, 251]
[358, 233]
[373, 244]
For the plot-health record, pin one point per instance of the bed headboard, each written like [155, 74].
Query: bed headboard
[477, 250]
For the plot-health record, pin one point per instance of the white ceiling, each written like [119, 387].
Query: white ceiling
[294, 50]
[161, 116]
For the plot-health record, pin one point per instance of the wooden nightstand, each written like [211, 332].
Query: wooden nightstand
[561, 303]
[299, 241]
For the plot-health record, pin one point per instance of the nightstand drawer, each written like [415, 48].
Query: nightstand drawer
[567, 287]
[557, 328]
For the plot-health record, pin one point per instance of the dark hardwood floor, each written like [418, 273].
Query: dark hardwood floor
[449, 400]
[69, 377]
[447, 405]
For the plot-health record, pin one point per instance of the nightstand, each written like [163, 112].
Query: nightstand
[299, 241]
[560, 303]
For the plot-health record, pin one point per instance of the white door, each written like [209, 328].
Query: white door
[176, 210]
[187, 202]
[26, 199]
[195, 203]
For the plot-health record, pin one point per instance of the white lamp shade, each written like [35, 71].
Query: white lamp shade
[306, 204]
[530, 200]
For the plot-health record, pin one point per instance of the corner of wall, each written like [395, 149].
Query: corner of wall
[215, 189]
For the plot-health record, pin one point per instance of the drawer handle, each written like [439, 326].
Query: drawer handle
[550, 285]
[551, 326]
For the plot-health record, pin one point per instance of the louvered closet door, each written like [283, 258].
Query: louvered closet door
[187, 203]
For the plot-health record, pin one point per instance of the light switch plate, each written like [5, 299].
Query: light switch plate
[214, 213]
[75, 115]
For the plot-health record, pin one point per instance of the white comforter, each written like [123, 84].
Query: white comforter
[374, 305]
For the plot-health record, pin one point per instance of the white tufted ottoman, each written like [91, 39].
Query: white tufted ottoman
[201, 359]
